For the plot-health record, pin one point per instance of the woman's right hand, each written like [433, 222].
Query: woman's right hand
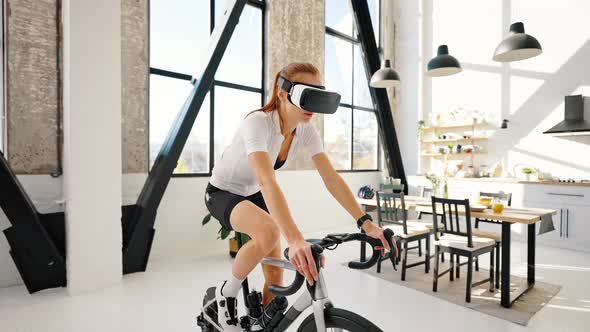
[301, 257]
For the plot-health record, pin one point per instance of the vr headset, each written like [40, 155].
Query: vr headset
[311, 98]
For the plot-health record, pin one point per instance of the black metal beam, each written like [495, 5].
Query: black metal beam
[138, 225]
[371, 60]
[37, 241]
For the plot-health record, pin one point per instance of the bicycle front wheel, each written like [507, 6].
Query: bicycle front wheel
[340, 320]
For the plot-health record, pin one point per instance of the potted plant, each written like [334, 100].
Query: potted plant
[450, 147]
[435, 181]
[420, 129]
[527, 171]
[224, 233]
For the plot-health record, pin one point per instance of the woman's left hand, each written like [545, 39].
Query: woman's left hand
[376, 232]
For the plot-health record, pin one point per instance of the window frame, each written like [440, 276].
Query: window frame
[354, 108]
[259, 4]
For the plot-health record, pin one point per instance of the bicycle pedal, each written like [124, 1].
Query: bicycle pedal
[207, 320]
[203, 324]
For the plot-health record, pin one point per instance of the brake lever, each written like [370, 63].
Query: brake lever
[390, 237]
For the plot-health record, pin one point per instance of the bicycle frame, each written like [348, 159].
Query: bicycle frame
[319, 301]
[316, 296]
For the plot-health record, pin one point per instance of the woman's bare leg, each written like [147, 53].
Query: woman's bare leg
[272, 276]
[248, 218]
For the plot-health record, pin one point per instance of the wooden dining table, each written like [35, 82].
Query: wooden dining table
[510, 215]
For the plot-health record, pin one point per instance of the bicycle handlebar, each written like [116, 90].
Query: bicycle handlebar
[336, 239]
[376, 245]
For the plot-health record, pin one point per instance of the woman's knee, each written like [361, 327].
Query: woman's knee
[268, 236]
[257, 223]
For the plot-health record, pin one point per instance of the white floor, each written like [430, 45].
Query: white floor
[168, 297]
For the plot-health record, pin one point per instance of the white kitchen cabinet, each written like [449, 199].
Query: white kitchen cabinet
[554, 238]
[577, 227]
[572, 223]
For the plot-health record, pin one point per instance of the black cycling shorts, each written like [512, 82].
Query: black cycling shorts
[221, 203]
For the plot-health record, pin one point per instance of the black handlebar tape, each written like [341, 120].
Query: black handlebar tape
[366, 264]
[388, 234]
[289, 290]
[316, 251]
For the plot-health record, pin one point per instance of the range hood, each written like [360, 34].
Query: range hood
[574, 123]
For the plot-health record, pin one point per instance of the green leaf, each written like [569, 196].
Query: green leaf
[224, 233]
[245, 238]
[206, 219]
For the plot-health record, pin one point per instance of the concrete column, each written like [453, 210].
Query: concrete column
[295, 33]
[32, 85]
[135, 76]
[92, 142]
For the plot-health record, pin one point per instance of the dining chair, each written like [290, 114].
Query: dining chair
[425, 193]
[458, 240]
[392, 187]
[392, 214]
[497, 236]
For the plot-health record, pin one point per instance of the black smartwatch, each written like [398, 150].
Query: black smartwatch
[362, 220]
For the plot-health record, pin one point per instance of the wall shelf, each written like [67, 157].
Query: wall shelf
[455, 126]
[436, 154]
[451, 140]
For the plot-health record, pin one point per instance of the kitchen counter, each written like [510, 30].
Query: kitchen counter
[513, 180]
[519, 181]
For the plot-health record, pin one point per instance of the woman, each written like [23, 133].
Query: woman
[244, 196]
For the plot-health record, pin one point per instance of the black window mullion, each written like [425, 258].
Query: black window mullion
[171, 74]
[340, 35]
[237, 86]
[257, 3]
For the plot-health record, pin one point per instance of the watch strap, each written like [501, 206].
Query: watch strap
[362, 220]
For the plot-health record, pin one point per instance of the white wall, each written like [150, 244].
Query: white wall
[528, 93]
[409, 64]
[92, 143]
[179, 234]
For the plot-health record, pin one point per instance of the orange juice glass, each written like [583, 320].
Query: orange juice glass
[497, 206]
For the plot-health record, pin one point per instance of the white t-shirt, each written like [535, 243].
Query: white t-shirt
[259, 131]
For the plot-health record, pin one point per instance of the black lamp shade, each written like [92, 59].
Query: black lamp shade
[517, 46]
[385, 77]
[443, 64]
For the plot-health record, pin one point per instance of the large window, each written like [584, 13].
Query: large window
[179, 38]
[351, 135]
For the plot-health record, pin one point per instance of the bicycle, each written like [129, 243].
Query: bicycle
[324, 315]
